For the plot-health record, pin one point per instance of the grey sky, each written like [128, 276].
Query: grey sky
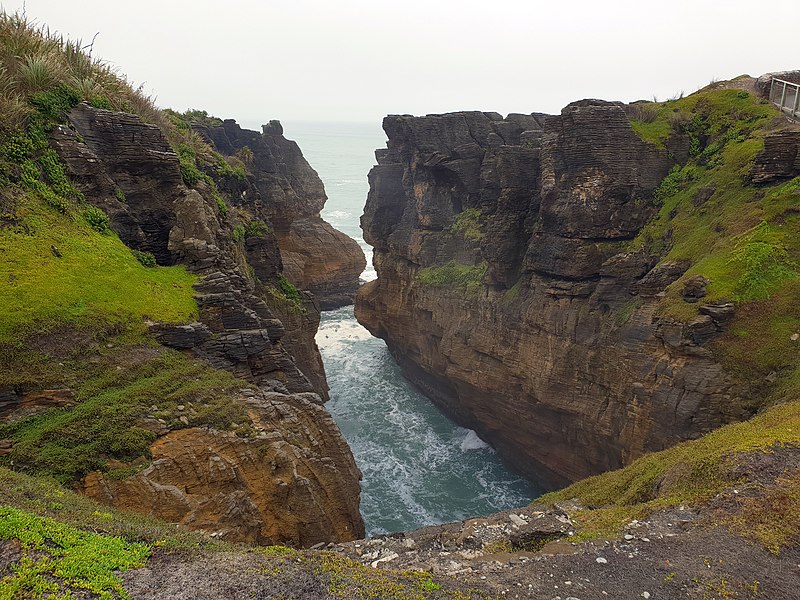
[352, 60]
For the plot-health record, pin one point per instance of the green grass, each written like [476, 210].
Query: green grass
[454, 275]
[57, 558]
[721, 114]
[68, 443]
[689, 473]
[468, 224]
[95, 280]
[741, 237]
[45, 497]
[82, 541]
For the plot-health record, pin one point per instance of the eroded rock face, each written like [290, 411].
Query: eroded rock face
[296, 482]
[272, 488]
[546, 341]
[285, 191]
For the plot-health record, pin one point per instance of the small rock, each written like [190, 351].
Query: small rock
[628, 536]
[517, 520]
[794, 337]
[694, 288]
[184, 420]
[181, 407]
[601, 560]
[645, 594]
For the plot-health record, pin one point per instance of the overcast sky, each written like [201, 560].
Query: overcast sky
[353, 60]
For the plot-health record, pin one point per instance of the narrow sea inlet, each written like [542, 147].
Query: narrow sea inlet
[419, 468]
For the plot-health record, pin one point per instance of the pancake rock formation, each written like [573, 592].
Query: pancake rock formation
[293, 479]
[287, 192]
[506, 293]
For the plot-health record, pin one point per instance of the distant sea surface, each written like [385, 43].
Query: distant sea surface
[419, 468]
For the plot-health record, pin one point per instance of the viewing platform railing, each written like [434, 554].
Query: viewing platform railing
[786, 96]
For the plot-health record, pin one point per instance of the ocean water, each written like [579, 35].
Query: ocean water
[419, 468]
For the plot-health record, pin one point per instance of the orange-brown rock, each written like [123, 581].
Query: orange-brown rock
[321, 259]
[293, 482]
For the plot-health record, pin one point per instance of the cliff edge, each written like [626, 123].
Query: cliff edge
[579, 288]
[155, 356]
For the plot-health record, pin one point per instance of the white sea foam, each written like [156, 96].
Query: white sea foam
[339, 215]
[471, 441]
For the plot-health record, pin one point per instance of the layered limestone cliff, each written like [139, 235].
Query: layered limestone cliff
[287, 192]
[291, 478]
[509, 292]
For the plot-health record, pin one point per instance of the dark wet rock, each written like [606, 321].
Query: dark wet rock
[661, 276]
[180, 336]
[694, 288]
[701, 329]
[780, 158]
[17, 403]
[721, 312]
[703, 195]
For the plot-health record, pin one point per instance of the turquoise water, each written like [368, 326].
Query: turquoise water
[419, 468]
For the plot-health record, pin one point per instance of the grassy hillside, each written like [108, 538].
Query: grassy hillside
[695, 472]
[742, 237]
[75, 301]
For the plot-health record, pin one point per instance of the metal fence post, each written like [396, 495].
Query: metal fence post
[796, 100]
[783, 96]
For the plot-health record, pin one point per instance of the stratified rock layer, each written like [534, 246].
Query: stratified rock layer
[296, 480]
[275, 488]
[285, 191]
[518, 317]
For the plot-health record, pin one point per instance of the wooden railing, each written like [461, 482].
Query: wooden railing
[786, 96]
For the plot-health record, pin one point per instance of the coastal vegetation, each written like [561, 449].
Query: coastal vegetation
[739, 235]
[468, 278]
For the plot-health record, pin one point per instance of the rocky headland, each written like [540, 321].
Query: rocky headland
[536, 282]
[202, 355]
[285, 191]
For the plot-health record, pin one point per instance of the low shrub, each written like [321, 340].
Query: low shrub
[146, 259]
[97, 219]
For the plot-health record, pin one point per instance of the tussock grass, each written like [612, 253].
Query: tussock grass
[35, 59]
